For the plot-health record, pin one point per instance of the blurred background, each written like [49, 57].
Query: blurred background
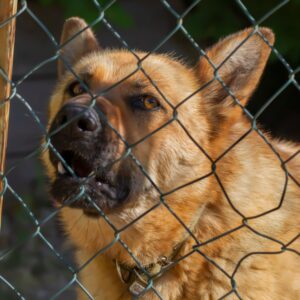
[33, 268]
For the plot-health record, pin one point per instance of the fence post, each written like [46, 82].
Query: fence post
[7, 39]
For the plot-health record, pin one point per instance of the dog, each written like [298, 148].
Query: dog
[164, 185]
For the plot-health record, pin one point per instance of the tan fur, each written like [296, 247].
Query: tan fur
[250, 172]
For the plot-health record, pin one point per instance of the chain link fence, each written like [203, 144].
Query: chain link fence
[39, 225]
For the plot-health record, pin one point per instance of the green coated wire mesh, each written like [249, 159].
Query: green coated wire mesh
[39, 224]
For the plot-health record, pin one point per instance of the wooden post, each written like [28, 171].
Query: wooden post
[7, 39]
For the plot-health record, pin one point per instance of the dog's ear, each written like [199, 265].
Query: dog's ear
[74, 48]
[240, 60]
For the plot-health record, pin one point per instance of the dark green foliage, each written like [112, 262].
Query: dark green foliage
[88, 10]
[212, 19]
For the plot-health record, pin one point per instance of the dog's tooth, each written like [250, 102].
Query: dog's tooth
[61, 169]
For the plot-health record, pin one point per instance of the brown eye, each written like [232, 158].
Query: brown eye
[145, 102]
[150, 102]
[76, 88]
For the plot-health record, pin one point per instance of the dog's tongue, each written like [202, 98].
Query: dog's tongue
[81, 167]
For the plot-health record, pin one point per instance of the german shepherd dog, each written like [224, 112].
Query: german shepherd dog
[168, 190]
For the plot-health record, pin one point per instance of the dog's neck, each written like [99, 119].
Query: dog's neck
[139, 277]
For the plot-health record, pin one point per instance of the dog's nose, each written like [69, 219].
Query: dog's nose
[78, 118]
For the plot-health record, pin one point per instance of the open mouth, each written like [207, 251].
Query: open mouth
[104, 187]
[80, 166]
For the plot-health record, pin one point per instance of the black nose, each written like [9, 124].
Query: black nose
[79, 119]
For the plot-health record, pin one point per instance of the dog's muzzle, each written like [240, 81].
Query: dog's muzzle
[79, 138]
[79, 120]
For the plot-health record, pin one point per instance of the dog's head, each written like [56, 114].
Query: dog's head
[132, 128]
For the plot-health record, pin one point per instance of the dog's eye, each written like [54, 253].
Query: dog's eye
[76, 88]
[145, 102]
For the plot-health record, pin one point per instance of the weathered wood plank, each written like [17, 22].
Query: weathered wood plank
[7, 39]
